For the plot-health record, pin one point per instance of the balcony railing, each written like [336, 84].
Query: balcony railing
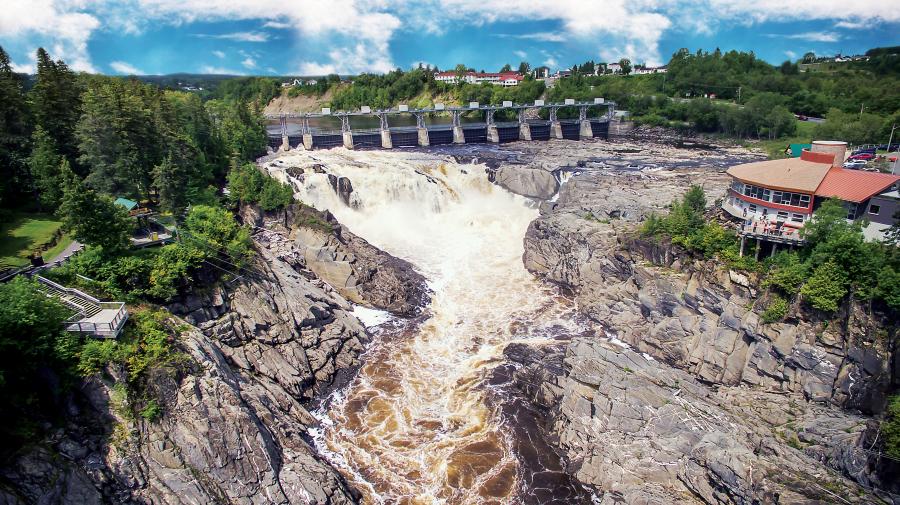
[772, 232]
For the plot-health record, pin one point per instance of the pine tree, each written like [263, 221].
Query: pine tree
[45, 165]
[14, 132]
[170, 181]
[56, 103]
[93, 218]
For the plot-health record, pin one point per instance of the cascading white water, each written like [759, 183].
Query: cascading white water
[413, 427]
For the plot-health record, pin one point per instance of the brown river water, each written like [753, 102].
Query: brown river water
[422, 423]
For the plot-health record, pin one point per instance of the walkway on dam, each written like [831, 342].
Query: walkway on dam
[592, 122]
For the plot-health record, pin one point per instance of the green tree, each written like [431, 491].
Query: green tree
[94, 219]
[524, 68]
[214, 228]
[36, 359]
[46, 167]
[625, 63]
[826, 287]
[56, 103]
[14, 132]
[171, 182]
[506, 68]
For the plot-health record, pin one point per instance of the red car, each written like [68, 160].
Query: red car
[862, 156]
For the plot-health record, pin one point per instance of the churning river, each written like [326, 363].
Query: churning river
[417, 424]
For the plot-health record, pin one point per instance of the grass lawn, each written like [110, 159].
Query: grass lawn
[775, 148]
[23, 234]
[60, 246]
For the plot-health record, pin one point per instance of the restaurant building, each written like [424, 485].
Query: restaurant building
[774, 199]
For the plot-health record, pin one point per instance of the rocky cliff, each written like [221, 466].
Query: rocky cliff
[698, 400]
[259, 352]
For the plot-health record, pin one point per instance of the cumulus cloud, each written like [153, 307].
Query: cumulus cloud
[219, 54]
[278, 25]
[249, 62]
[852, 25]
[64, 31]
[125, 68]
[540, 36]
[521, 54]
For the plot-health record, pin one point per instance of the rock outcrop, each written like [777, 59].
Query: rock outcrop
[235, 425]
[536, 183]
[360, 272]
[775, 398]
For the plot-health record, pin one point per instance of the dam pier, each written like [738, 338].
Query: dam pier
[498, 123]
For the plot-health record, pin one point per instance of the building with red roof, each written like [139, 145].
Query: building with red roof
[774, 199]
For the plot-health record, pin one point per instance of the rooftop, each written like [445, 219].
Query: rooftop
[854, 185]
[792, 174]
[124, 202]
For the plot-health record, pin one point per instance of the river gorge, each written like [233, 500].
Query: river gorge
[483, 325]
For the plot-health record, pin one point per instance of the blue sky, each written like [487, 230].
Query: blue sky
[309, 37]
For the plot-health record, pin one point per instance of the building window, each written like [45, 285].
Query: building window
[874, 209]
[804, 200]
[782, 216]
[752, 208]
[851, 211]
[797, 218]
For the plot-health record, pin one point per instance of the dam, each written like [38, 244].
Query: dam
[474, 123]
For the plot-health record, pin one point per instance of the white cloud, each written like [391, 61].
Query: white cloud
[61, 29]
[813, 36]
[219, 54]
[520, 54]
[790, 54]
[540, 36]
[249, 62]
[551, 62]
[852, 25]
[122, 67]
[237, 36]
[278, 25]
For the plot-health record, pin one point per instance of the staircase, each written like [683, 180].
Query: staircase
[101, 319]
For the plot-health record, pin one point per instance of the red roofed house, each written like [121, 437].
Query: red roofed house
[774, 199]
[500, 79]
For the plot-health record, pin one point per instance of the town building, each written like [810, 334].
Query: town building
[645, 70]
[498, 78]
[541, 72]
[614, 68]
[774, 199]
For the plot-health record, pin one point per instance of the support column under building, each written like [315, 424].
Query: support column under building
[386, 141]
[743, 238]
[285, 143]
[308, 141]
[555, 126]
[348, 140]
[424, 139]
[758, 247]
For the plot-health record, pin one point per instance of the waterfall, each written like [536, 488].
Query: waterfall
[414, 426]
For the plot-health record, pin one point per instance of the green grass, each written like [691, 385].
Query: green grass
[775, 148]
[60, 246]
[23, 234]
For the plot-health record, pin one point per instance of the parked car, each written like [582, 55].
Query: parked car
[855, 164]
[863, 157]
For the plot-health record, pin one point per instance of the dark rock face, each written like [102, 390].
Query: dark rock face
[235, 425]
[724, 392]
[358, 271]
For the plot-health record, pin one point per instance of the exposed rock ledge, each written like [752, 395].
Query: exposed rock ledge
[235, 423]
[766, 398]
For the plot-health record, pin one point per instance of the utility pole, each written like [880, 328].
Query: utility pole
[861, 107]
[739, 94]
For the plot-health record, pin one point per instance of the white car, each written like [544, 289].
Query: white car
[857, 164]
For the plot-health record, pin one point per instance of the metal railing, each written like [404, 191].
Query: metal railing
[88, 307]
[771, 232]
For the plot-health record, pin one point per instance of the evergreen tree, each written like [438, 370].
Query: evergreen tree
[14, 127]
[45, 165]
[94, 219]
[170, 181]
[56, 103]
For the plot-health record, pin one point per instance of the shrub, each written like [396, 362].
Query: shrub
[826, 287]
[151, 410]
[247, 184]
[890, 427]
[776, 310]
[214, 229]
[787, 273]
